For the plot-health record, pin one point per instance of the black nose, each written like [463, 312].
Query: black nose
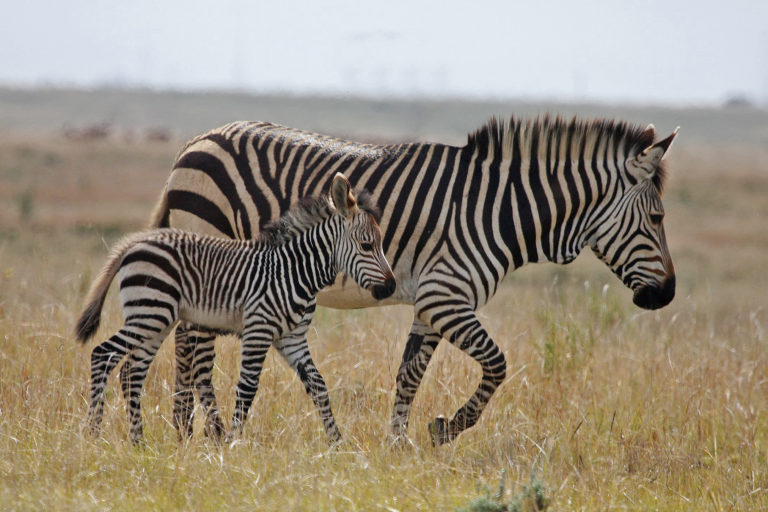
[382, 291]
[655, 297]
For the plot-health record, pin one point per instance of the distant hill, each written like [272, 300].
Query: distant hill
[387, 120]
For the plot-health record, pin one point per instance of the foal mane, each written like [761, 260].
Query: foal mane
[307, 213]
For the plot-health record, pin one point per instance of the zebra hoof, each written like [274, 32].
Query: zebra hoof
[399, 441]
[92, 432]
[214, 429]
[138, 443]
[438, 431]
[233, 437]
[137, 436]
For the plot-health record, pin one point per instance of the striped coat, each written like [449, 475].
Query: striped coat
[455, 221]
[258, 289]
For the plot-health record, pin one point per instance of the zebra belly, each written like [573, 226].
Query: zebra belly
[222, 321]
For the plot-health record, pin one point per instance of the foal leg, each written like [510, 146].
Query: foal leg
[203, 354]
[132, 376]
[194, 365]
[295, 350]
[105, 357]
[256, 343]
[183, 397]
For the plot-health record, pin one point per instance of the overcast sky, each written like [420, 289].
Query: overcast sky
[671, 52]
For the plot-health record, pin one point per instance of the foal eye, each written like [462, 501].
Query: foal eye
[656, 218]
[366, 246]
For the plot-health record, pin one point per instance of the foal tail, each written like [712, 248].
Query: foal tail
[90, 318]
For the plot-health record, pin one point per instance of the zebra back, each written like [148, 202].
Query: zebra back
[517, 192]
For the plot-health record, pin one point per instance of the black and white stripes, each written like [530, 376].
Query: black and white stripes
[260, 289]
[455, 221]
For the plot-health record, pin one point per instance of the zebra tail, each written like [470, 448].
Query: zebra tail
[160, 214]
[89, 320]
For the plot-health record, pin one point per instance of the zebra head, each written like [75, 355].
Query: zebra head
[630, 238]
[359, 253]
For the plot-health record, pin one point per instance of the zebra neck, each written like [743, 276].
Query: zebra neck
[311, 257]
[542, 207]
[574, 193]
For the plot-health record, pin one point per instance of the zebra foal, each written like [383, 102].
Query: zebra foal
[260, 289]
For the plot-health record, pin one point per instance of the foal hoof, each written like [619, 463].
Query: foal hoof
[399, 441]
[138, 443]
[214, 430]
[438, 431]
[233, 437]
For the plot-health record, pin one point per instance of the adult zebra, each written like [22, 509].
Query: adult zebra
[456, 220]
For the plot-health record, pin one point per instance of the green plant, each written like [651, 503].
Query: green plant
[531, 498]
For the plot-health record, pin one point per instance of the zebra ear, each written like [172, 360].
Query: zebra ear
[644, 164]
[342, 196]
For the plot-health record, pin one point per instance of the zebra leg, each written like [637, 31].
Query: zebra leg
[255, 346]
[194, 364]
[203, 355]
[183, 397]
[422, 342]
[132, 398]
[132, 376]
[458, 323]
[104, 358]
[295, 350]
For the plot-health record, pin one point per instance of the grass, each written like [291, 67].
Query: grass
[610, 407]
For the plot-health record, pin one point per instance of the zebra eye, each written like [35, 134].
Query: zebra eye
[366, 246]
[656, 218]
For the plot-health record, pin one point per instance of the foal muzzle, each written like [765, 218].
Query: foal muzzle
[384, 290]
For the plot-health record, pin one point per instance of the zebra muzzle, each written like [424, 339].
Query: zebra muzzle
[655, 296]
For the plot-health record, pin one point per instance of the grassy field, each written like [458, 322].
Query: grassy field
[606, 406]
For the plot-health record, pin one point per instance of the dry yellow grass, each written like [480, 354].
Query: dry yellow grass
[610, 406]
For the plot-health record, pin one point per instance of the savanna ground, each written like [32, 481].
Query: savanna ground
[608, 406]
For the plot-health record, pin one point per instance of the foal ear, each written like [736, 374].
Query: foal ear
[342, 196]
[645, 164]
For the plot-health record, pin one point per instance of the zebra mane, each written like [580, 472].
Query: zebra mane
[504, 137]
[307, 213]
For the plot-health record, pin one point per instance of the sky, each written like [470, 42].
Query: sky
[683, 52]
